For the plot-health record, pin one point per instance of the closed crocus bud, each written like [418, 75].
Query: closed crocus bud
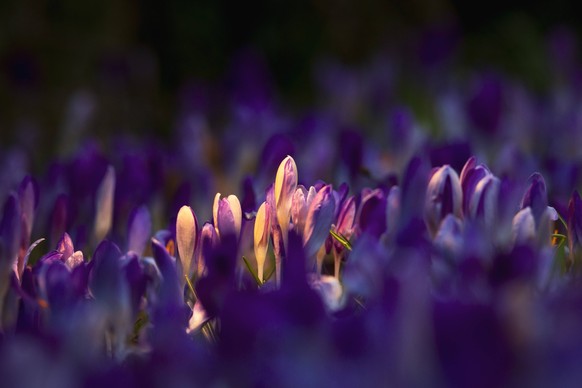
[285, 186]
[470, 176]
[443, 196]
[262, 232]
[483, 201]
[186, 233]
[227, 215]
[104, 205]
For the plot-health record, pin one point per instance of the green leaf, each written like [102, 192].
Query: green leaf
[190, 286]
[140, 322]
[249, 268]
[341, 239]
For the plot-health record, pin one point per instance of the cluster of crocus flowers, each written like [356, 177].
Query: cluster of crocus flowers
[433, 251]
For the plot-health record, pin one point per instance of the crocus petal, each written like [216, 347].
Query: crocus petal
[208, 240]
[215, 210]
[225, 221]
[104, 205]
[443, 196]
[393, 209]
[170, 292]
[75, 260]
[236, 210]
[449, 238]
[105, 275]
[65, 245]
[471, 179]
[186, 230]
[330, 291]
[139, 229]
[10, 233]
[524, 227]
[28, 195]
[261, 235]
[299, 207]
[535, 196]
[199, 317]
[372, 213]
[483, 203]
[346, 217]
[319, 219]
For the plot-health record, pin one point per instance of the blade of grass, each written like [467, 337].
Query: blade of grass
[341, 239]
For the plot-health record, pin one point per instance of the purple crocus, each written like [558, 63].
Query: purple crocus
[444, 196]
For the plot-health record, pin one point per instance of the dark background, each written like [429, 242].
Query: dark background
[137, 56]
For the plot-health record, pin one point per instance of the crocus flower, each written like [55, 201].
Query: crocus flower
[300, 205]
[186, 233]
[285, 186]
[482, 204]
[444, 195]
[227, 214]
[261, 236]
[319, 219]
[536, 198]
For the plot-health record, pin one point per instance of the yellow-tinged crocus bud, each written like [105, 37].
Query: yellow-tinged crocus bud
[285, 186]
[186, 233]
[262, 232]
[227, 214]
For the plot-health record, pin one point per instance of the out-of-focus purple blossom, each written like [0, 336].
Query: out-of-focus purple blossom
[104, 205]
[444, 196]
[139, 229]
[371, 217]
[318, 220]
[486, 103]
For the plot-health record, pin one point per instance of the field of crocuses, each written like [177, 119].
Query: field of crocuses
[372, 239]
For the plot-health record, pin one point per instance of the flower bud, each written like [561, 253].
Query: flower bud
[443, 196]
[261, 234]
[186, 233]
[285, 186]
[227, 215]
